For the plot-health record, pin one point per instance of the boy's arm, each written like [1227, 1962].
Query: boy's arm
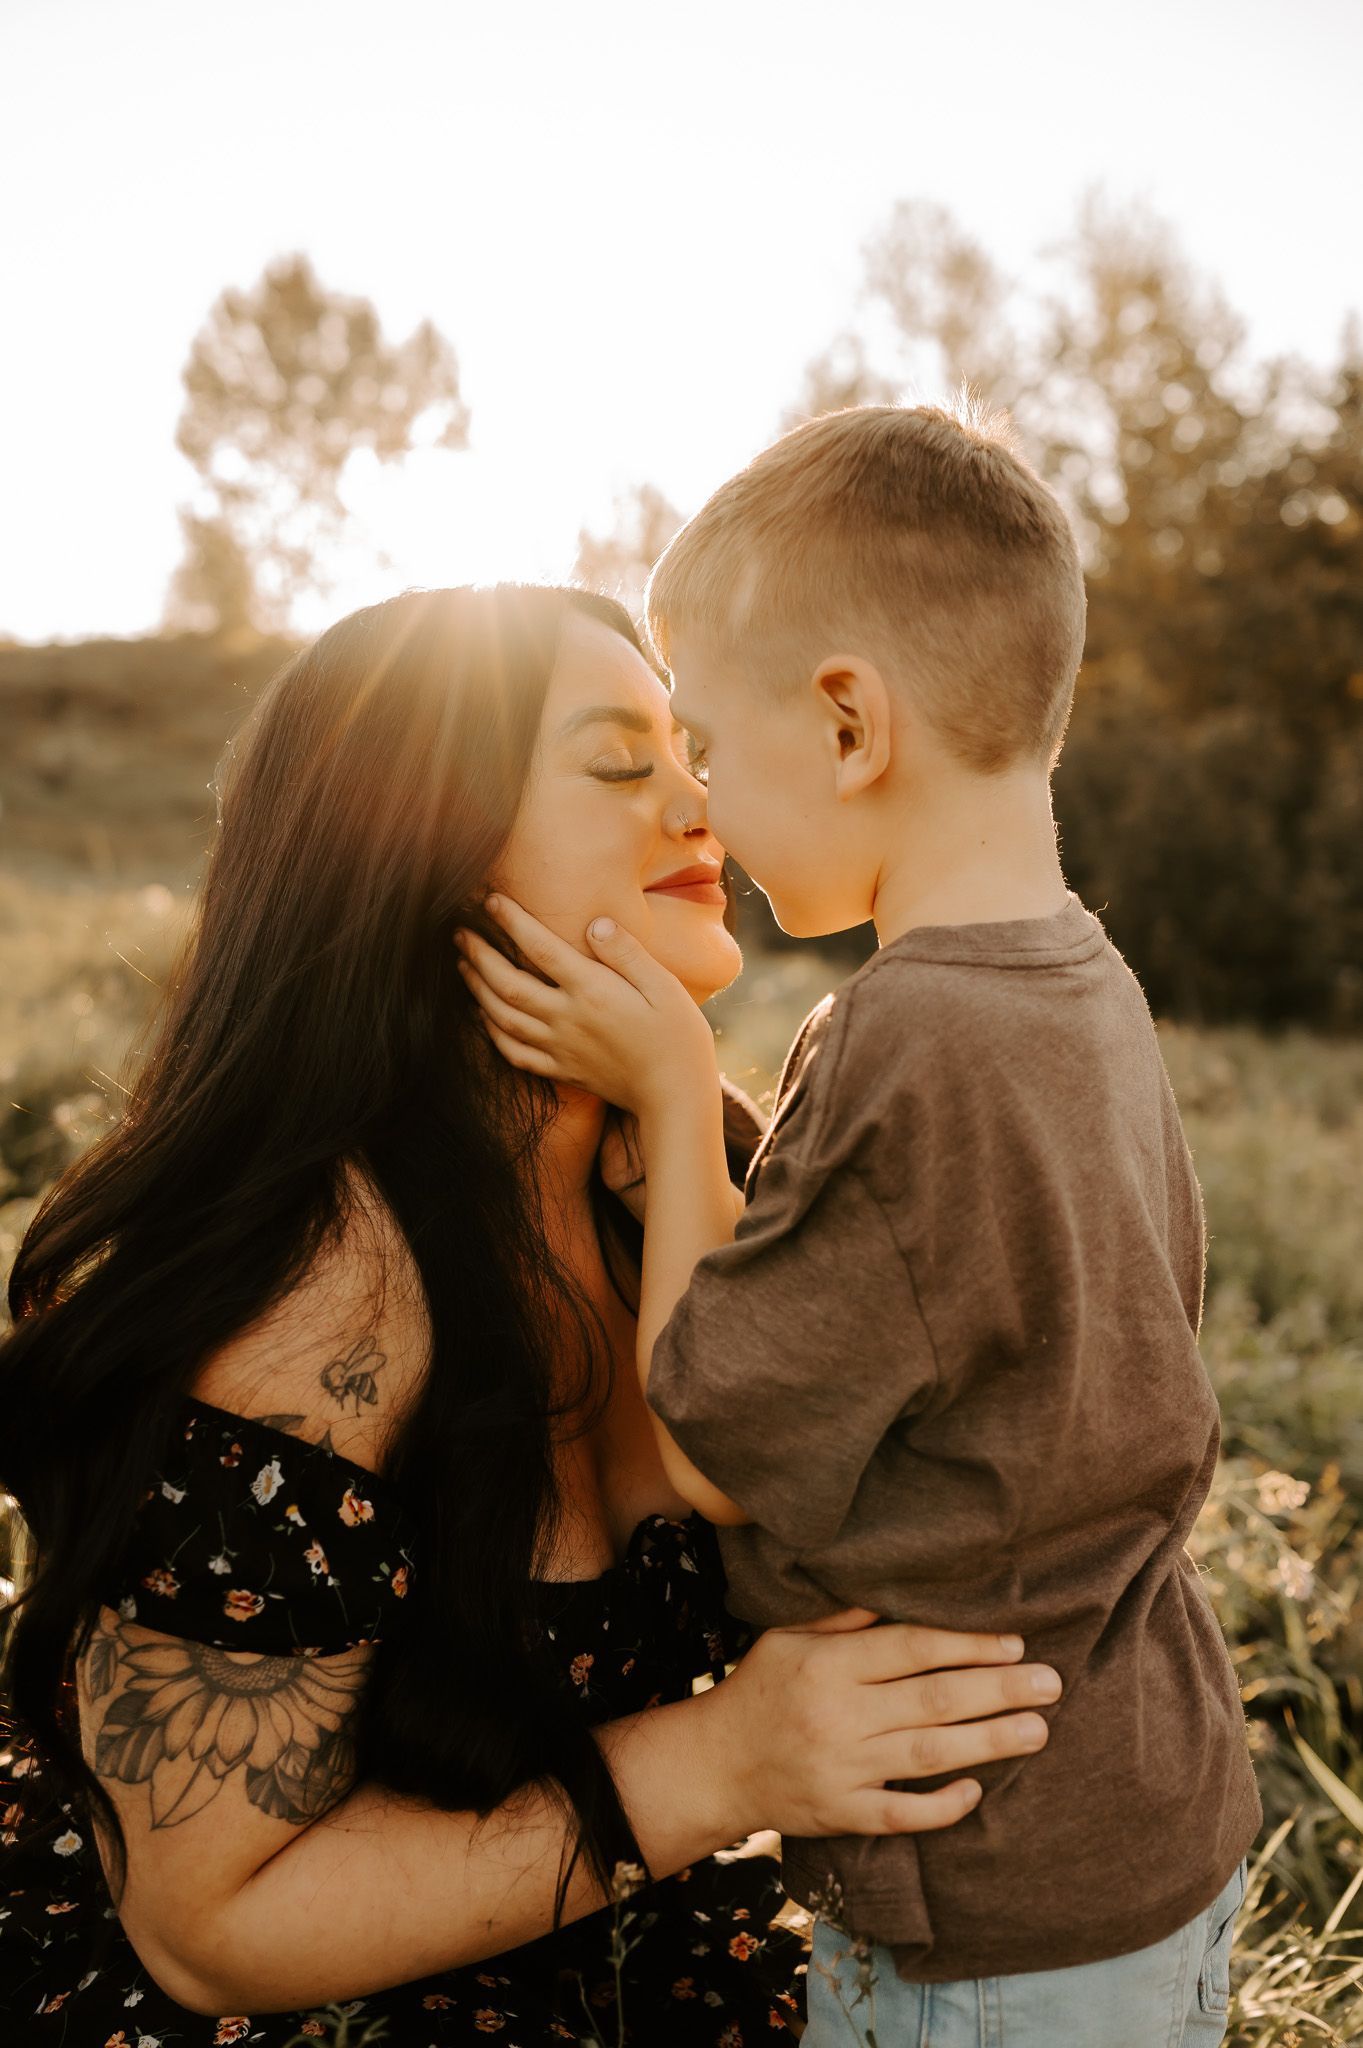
[625, 1029]
[690, 1213]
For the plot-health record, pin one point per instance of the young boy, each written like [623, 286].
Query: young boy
[947, 1368]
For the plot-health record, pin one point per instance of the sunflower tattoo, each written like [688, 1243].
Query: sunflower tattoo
[190, 1715]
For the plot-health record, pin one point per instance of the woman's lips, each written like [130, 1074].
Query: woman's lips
[691, 892]
[692, 885]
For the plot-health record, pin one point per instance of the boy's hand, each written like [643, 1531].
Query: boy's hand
[618, 1024]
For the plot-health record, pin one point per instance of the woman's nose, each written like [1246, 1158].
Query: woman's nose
[685, 817]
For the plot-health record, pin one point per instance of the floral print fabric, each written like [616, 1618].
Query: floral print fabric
[251, 1539]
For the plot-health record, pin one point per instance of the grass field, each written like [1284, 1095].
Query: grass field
[1276, 1127]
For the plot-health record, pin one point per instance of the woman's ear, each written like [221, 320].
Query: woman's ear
[854, 705]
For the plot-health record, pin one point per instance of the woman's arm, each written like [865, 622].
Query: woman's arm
[245, 1891]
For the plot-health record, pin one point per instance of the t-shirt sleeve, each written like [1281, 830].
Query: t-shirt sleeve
[797, 1347]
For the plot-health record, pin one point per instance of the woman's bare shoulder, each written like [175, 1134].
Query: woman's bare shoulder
[342, 1357]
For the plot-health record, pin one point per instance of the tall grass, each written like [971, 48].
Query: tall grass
[1276, 1127]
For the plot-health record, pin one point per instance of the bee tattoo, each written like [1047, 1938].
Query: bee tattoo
[353, 1375]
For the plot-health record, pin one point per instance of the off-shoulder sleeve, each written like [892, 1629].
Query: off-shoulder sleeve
[799, 1345]
[251, 1539]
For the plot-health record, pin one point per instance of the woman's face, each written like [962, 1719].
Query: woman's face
[612, 822]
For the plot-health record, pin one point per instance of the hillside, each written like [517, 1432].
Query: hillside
[110, 746]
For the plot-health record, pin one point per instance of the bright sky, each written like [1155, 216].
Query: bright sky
[636, 224]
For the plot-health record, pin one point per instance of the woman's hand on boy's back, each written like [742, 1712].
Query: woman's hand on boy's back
[831, 1717]
[617, 1024]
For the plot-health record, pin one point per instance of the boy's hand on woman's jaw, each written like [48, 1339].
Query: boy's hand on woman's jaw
[616, 1024]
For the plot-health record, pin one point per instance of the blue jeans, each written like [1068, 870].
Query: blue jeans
[1172, 1995]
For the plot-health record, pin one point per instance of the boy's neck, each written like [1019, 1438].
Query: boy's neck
[978, 850]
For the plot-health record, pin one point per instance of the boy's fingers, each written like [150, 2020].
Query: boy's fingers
[515, 1023]
[619, 949]
[528, 1058]
[901, 1649]
[553, 955]
[516, 988]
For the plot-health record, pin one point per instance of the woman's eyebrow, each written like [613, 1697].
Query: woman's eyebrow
[607, 714]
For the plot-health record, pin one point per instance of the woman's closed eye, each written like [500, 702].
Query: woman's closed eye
[618, 771]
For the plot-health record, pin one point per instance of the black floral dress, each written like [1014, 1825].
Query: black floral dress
[251, 1539]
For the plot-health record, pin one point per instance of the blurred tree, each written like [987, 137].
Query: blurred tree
[284, 384]
[839, 377]
[619, 562]
[213, 590]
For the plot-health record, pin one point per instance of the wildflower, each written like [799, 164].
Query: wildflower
[742, 1946]
[685, 1987]
[241, 1605]
[220, 1563]
[232, 1457]
[162, 1581]
[175, 1493]
[294, 1514]
[400, 1580]
[436, 2001]
[580, 1667]
[354, 1509]
[1280, 1494]
[487, 2021]
[1294, 1576]
[67, 1844]
[235, 2028]
[317, 1559]
[626, 1879]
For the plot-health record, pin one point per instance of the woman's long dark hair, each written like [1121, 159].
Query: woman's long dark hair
[318, 1026]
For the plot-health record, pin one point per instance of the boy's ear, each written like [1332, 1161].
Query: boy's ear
[854, 706]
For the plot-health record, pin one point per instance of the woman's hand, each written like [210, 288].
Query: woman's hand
[618, 1024]
[826, 1716]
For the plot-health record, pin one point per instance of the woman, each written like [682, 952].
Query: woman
[364, 1628]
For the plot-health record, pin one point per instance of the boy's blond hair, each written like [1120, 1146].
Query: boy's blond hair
[914, 536]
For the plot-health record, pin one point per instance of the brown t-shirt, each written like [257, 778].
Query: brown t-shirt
[949, 1366]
